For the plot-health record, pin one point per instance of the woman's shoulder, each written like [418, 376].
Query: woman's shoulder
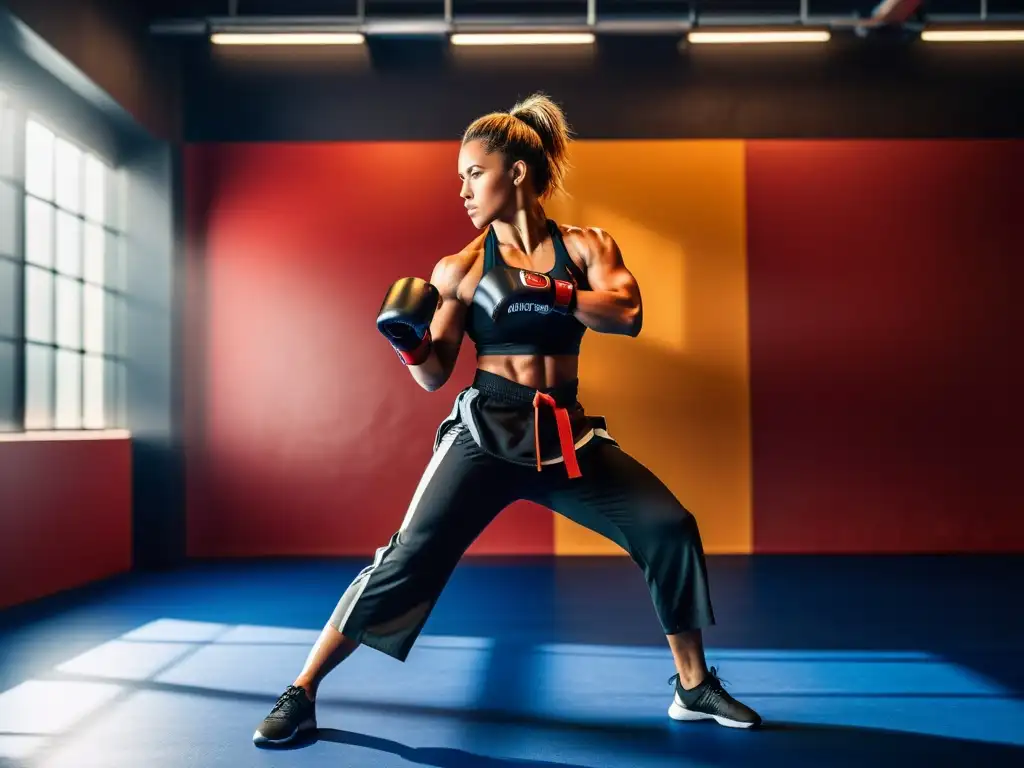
[596, 234]
[451, 270]
[584, 242]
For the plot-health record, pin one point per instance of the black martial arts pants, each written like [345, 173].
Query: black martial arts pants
[463, 489]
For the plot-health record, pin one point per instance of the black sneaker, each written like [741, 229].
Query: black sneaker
[293, 714]
[709, 701]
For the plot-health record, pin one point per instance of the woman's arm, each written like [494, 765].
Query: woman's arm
[613, 303]
[447, 326]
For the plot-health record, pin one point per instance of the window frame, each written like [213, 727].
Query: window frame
[113, 355]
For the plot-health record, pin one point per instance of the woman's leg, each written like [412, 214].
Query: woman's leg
[385, 607]
[688, 654]
[329, 650]
[619, 498]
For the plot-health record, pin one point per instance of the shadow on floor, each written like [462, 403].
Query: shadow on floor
[782, 744]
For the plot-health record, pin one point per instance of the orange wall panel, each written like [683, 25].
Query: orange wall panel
[676, 397]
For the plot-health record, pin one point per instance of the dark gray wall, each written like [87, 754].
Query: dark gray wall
[108, 41]
[632, 89]
[35, 75]
[154, 390]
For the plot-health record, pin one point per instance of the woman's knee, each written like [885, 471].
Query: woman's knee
[665, 536]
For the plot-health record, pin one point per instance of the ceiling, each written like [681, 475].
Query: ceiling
[540, 9]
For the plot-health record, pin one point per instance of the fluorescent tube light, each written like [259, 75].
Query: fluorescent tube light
[522, 38]
[973, 35]
[727, 37]
[287, 38]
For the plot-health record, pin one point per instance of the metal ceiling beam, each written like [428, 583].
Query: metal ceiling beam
[888, 13]
[415, 26]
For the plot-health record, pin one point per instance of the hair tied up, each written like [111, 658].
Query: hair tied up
[535, 131]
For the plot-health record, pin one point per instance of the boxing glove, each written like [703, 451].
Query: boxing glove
[509, 290]
[404, 318]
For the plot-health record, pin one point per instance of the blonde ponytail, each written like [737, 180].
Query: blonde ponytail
[534, 131]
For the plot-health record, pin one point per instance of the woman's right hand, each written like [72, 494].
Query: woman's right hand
[405, 316]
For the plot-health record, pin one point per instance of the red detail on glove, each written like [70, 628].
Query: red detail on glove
[564, 433]
[418, 355]
[564, 293]
[534, 280]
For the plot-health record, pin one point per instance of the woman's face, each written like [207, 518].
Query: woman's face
[487, 185]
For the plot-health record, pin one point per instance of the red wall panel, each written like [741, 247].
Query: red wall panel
[66, 515]
[305, 433]
[885, 326]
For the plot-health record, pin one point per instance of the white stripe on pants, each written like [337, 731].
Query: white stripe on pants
[428, 474]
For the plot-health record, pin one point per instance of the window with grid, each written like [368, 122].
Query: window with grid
[73, 282]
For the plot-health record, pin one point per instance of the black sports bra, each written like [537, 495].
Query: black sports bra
[528, 333]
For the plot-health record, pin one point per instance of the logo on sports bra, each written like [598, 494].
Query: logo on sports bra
[527, 306]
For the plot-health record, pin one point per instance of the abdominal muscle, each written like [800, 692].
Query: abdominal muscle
[534, 371]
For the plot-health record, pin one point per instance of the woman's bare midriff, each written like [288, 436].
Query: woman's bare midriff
[534, 371]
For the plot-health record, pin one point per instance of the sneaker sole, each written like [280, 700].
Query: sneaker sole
[683, 714]
[308, 725]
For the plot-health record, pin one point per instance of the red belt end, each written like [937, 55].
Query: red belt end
[572, 466]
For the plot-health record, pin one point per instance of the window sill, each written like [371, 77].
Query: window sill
[42, 436]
